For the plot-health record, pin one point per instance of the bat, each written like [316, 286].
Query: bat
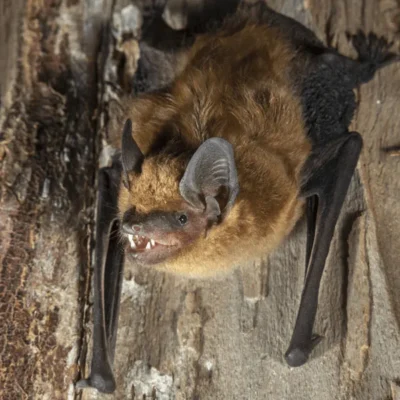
[221, 160]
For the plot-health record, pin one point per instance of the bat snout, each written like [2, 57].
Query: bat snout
[137, 228]
[131, 229]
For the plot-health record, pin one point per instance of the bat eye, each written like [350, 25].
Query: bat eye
[182, 219]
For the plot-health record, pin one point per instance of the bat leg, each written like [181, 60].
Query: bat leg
[327, 174]
[108, 271]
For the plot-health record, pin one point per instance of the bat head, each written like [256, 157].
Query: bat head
[167, 202]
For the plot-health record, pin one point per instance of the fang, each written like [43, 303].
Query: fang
[132, 242]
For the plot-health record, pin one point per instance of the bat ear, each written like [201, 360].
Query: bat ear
[210, 179]
[132, 157]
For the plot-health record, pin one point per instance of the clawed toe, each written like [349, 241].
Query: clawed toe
[372, 48]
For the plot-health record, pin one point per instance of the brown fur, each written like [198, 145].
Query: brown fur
[235, 86]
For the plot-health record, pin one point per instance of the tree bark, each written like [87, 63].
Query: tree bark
[48, 153]
[66, 65]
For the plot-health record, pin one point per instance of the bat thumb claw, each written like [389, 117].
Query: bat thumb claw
[82, 384]
[97, 382]
[315, 340]
[297, 355]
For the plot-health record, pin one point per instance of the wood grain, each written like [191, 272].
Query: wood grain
[66, 65]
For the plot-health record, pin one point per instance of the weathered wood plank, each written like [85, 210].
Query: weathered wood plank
[48, 158]
[179, 338]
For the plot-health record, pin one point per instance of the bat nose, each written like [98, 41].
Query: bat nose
[131, 229]
[136, 228]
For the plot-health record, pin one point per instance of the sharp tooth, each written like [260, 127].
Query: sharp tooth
[133, 245]
[153, 242]
[148, 246]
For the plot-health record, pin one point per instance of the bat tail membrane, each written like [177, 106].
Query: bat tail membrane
[327, 173]
[107, 280]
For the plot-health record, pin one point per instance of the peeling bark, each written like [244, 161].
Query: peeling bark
[48, 160]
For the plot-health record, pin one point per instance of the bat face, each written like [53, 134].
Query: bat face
[152, 238]
[166, 203]
[156, 221]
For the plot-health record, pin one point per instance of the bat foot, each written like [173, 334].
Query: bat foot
[297, 355]
[373, 52]
[97, 382]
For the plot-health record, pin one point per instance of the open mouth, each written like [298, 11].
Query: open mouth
[143, 244]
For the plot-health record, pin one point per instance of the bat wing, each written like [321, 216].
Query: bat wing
[327, 174]
[108, 269]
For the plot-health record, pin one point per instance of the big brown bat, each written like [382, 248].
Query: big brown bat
[218, 165]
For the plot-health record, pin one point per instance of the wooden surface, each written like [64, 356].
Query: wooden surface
[48, 160]
[178, 338]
